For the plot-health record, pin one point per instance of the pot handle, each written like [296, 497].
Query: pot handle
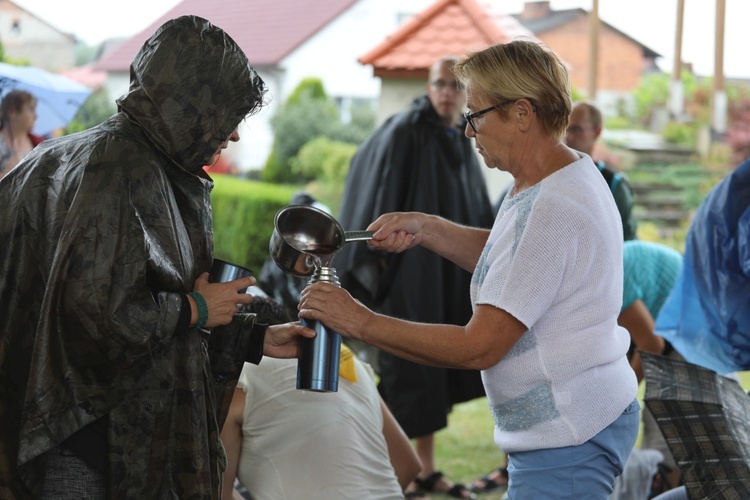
[357, 236]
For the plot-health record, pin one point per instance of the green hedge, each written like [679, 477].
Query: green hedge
[243, 213]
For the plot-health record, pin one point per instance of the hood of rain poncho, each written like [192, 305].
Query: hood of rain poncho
[174, 94]
[707, 314]
[103, 233]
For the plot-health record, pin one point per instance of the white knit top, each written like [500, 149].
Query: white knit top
[554, 261]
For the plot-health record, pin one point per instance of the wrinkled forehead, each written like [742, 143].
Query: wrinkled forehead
[475, 97]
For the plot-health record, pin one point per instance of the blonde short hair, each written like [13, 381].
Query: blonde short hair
[522, 69]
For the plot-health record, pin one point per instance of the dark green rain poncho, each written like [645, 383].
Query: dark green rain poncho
[103, 232]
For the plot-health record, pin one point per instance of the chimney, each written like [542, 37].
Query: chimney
[535, 10]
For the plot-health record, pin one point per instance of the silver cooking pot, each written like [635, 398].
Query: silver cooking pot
[305, 237]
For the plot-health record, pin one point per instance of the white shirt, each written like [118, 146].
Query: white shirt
[308, 445]
[553, 260]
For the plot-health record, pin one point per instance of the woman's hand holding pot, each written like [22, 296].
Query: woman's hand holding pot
[398, 231]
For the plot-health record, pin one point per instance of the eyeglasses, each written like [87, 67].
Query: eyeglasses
[442, 84]
[470, 117]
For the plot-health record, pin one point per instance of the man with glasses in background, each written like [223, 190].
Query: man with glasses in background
[583, 131]
[418, 160]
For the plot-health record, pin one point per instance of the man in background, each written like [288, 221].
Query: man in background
[418, 160]
[584, 129]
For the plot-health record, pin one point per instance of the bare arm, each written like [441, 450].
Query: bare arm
[480, 344]
[404, 459]
[637, 320]
[399, 231]
[231, 437]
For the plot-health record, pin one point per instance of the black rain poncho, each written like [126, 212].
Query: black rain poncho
[411, 163]
[102, 234]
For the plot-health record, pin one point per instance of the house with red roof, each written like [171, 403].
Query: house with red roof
[455, 27]
[364, 51]
[622, 59]
[447, 27]
[286, 41]
[335, 40]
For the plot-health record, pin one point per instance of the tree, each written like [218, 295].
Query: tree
[307, 114]
[97, 108]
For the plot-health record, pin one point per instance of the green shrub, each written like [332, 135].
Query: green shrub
[324, 159]
[359, 128]
[95, 110]
[243, 214]
[309, 88]
[618, 122]
[294, 126]
[684, 134]
[652, 93]
[307, 114]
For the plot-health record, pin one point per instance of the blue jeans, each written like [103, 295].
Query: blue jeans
[580, 472]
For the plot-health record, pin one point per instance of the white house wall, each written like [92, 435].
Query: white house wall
[256, 136]
[331, 55]
[27, 38]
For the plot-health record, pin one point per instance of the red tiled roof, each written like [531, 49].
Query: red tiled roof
[447, 27]
[86, 75]
[267, 30]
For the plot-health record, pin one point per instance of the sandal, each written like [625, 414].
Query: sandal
[430, 483]
[489, 483]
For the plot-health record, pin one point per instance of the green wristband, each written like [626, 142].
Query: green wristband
[202, 309]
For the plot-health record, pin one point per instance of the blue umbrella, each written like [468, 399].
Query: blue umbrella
[58, 97]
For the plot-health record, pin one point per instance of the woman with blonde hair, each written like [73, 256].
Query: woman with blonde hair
[546, 289]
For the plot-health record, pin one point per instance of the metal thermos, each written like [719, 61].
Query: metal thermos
[318, 365]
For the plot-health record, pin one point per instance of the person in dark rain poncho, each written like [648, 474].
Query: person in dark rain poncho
[109, 387]
[418, 160]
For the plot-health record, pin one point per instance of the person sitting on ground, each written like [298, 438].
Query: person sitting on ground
[287, 443]
[418, 160]
[17, 117]
[650, 272]
[707, 314]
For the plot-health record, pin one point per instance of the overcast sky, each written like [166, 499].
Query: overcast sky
[651, 22]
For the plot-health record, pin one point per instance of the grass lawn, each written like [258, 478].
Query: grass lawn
[466, 450]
